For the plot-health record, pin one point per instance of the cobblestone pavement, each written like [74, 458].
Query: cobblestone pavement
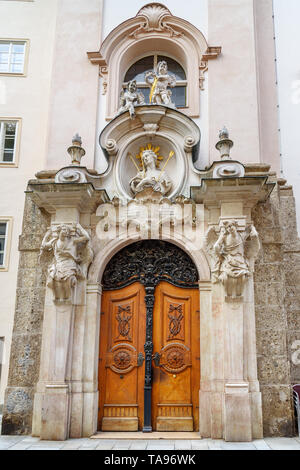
[34, 443]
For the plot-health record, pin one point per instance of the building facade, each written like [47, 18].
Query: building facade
[151, 264]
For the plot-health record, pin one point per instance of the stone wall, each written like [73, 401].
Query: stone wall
[291, 259]
[27, 332]
[276, 297]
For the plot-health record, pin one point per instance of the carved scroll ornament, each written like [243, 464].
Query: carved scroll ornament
[232, 253]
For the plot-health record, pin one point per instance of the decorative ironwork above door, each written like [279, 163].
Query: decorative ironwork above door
[149, 262]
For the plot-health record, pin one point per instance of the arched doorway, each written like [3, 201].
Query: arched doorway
[149, 362]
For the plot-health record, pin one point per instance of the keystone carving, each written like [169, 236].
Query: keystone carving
[154, 14]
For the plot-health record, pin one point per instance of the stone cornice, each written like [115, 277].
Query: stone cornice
[51, 196]
[248, 189]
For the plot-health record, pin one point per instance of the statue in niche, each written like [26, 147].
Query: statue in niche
[72, 255]
[130, 98]
[150, 176]
[231, 253]
[159, 82]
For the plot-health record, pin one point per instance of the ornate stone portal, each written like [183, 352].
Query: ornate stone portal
[84, 221]
[109, 211]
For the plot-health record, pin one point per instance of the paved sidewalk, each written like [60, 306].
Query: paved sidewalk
[34, 443]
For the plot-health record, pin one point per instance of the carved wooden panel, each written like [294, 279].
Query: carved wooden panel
[175, 358]
[176, 374]
[119, 411]
[121, 370]
[176, 321]
[123, 317]
[121, 358]
[120, 418]
[175, 411]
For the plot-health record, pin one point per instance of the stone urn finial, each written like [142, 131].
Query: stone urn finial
[76, 152]
[225, 144]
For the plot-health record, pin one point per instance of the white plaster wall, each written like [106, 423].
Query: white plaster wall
[74, 81]
[27, 98]
[116, 12]
[233, 94]
[287, 33]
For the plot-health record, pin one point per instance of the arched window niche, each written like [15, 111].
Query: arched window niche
[153, 31]
[144, 64]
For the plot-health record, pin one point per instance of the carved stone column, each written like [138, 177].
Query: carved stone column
[206, 362]
[62, 406]
[90, 359]
[56, 398]
[230, 399]
[69, 245]
[237, 417]
[232, 247]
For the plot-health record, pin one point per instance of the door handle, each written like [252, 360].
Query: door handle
[140, 359]
[156, 359]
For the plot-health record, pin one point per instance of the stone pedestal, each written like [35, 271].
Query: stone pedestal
[237, 414]
[56, 401]
[55, 413]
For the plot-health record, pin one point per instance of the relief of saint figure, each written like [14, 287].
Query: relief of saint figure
[159, 82]
[72, 254]
[130, 98]
[150, 176]
[231, 253]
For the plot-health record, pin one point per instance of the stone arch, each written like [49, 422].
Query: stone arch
[114, 246]
[150, 261]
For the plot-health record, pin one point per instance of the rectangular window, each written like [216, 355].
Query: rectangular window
[3, 242]
[8, 140]
[12, 56]
[6, 224]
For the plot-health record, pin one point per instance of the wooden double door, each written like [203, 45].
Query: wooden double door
[175, 360]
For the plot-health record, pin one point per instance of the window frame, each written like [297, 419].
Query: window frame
[7, 244]
[2, 353]
[156, 54]
[25, 61]
[15, 162]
